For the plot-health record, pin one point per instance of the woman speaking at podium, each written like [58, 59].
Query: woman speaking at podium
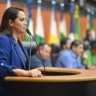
[13, 56]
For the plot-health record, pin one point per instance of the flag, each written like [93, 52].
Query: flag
[53, 37]
[88, 22]
[88, 19]
[62, 24]
[92, 25]
[72, 30]
[77, 23]
[92, 20]
[29, 20]
[39, 27]
[8, 3]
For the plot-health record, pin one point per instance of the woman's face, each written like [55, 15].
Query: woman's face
[19, 24]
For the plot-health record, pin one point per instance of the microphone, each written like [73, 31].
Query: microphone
[27, 30]
[30, 51]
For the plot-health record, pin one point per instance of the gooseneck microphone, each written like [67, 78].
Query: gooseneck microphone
[30, 51]
[27, 30]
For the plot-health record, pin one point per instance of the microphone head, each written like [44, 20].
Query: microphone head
[27, 30]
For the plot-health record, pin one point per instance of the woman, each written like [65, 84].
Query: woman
[13, 56]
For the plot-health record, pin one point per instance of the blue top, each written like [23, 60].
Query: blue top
[37, 62]
[69, 60]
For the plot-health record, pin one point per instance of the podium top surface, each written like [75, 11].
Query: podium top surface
[70, 75]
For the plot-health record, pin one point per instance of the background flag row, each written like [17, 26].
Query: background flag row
[54, 36]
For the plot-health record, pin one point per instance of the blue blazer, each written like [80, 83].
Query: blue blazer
[10, 56]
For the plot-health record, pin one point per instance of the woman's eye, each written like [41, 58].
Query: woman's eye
[21, 19]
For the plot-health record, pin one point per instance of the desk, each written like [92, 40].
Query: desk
[57, 82]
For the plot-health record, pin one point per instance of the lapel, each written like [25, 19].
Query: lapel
[17, 50]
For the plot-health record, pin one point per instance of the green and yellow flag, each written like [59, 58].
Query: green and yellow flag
[77, 23]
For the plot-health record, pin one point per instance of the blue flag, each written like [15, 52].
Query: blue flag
[72, 27]
[29, 19]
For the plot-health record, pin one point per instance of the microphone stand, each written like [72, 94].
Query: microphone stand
[30, 51]
[37, 48]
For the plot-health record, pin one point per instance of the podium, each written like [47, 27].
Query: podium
[56, 82]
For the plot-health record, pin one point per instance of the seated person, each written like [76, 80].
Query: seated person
[65, 45]
[44, 51]
[71, 58]
[91, 56]
[90, 36]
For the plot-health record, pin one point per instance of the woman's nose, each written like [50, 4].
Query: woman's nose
[25, 22]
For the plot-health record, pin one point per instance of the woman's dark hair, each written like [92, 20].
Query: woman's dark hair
[10, 14]
[76, 43]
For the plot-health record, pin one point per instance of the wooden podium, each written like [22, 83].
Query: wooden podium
[56, 82]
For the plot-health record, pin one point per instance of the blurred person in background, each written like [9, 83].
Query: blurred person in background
[90, 36]
[45, 52]
[91, 56]
[65, 45]
[72, 57]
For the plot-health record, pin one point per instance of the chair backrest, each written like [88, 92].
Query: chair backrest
[55, 53]
[33, 47]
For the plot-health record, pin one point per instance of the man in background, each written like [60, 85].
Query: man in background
[71, 58]
[41, 58]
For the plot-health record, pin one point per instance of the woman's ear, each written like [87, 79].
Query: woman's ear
[11, 23]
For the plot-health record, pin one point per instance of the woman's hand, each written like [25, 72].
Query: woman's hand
[28, 73]
[34, 73]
